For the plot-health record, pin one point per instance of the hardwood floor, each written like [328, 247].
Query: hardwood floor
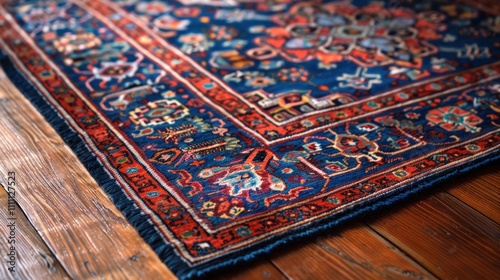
[86, 233]
[66, 227]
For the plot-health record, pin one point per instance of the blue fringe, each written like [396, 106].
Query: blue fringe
[164, 250]
[132, 213]
[307, 232]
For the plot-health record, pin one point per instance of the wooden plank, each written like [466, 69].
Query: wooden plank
[480, 190]
[31, 259]
[76, 219]
[355, 252]
[446, 236]
[254, 271]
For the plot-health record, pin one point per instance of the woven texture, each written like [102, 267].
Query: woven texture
[225, 129]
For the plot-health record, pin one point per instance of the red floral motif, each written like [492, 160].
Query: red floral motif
[222, 207]
[369, 36]
[453, 118]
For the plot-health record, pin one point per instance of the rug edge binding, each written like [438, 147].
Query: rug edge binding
[164, 250]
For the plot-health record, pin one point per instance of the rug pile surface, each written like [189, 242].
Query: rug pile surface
[225, 129]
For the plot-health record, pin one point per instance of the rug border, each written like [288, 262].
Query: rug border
[165, 250]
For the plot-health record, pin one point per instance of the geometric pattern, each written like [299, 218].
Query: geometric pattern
[225, 129]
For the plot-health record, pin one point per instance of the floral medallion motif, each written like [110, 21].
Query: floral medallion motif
[453, 118]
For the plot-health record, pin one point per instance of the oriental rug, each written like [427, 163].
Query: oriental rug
[225, 129]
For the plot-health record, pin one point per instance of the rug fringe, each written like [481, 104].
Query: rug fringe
[150, 234]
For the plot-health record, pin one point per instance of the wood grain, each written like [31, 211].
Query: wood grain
[355, 252]
[88, 238]
[446, 236]
[76, 219]
[481, 191]
[33, 259]
[261, 270]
